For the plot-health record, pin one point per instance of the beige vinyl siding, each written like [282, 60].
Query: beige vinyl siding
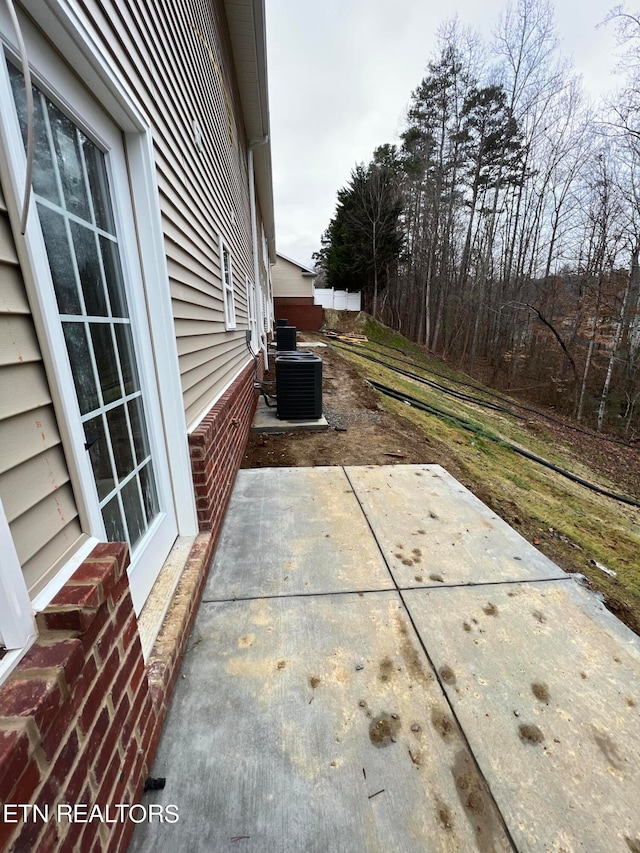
[34, 477]
[289, 281]
[177, 57]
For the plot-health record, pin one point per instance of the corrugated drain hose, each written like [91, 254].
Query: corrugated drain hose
[470, 427]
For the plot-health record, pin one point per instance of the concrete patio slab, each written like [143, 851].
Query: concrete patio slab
[433, 531]
[315, 724]
[265, 420]
[545, 683]
[294, 531]
[324, 708]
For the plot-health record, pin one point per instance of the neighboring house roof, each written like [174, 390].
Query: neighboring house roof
[303, 269]
[248, 43]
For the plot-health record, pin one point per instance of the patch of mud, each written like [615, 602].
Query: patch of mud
[385, 670]
[540, 691]
[411, 656]
[490, 609]
[466, 626]
[530, 734]
[384, 730]
[475, 800]
[443, 813]
[437, 578]
[281, 664]
[447, 675]
[314, 681]
[442, 723]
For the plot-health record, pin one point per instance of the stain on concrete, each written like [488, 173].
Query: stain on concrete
[442, 723]
[608, 748]
[418, 578]
[538, 616]
[385, 670]
[633, 844]
[246, 641]
[437, 578]
[474, 798]
[281, 664]
[530, 733]
[490, 609]
[314, 681]
[443, 813]
[447, 674]
[410, 655]
[407, 562]
[540, 691]
[384, 730]
[466, 626]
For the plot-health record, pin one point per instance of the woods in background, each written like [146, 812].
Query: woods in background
[504, 230]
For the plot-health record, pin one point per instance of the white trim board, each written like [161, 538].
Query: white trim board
[203, 414]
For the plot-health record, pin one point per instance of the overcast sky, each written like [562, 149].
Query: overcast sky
[341, 73]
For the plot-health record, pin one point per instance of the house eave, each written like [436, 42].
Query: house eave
[247, 31]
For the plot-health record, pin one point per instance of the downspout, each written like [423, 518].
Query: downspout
[254, 240]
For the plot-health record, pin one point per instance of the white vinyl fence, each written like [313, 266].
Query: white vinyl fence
[339, 300]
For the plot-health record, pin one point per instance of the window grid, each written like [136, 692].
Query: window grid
[84, 319]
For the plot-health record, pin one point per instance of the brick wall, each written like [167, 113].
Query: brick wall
[77, 724]
[216, 449]
[81, 716]
[300, 312]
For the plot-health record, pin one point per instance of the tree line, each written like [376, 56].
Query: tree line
[503, 230]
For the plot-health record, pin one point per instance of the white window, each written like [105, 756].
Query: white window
[84, 270]
[226, 266]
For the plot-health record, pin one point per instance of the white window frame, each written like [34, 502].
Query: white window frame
[74, 40]
[252, 315]
[17, 625]
[228, 290]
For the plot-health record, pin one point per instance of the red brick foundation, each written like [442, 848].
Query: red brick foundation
[81, 716]
[78, 724]
[216, 449]
[300, 312]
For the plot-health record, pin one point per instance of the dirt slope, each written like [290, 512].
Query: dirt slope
[574, 527]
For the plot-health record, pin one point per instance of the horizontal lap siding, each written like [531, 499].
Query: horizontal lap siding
[289, 281]
[34, 478]
[176, 56]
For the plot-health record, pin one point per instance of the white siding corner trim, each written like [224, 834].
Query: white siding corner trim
[17, 625]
